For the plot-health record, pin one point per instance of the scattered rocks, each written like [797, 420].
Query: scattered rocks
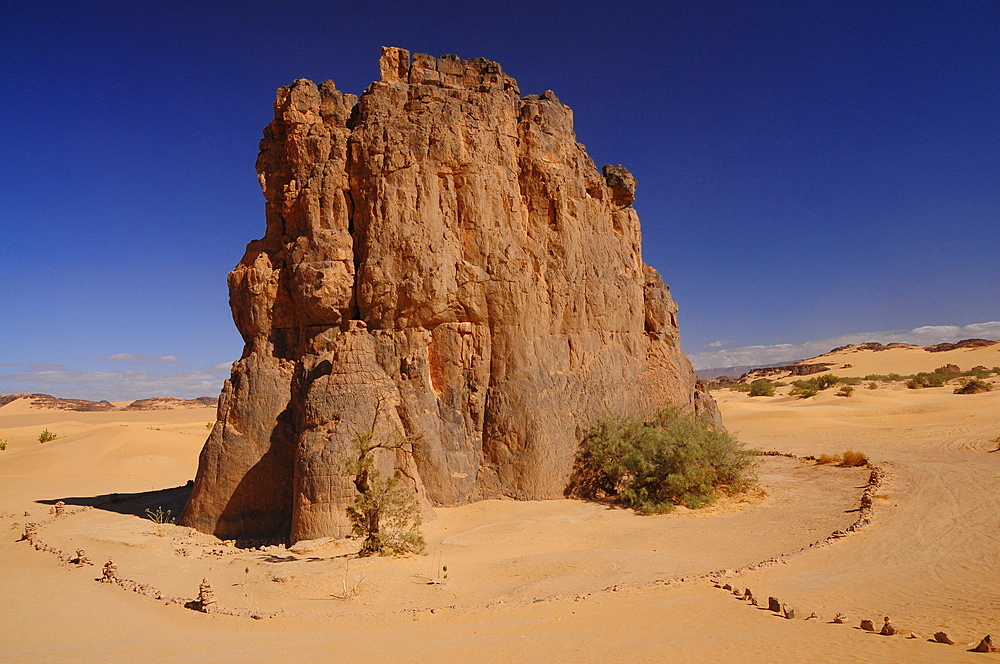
[867, 625]
[942, 637]
[888, 629]
[986, 645]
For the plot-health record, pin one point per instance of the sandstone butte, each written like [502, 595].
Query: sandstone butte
[442, 253]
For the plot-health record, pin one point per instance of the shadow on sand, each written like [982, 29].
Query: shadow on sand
[135, 504]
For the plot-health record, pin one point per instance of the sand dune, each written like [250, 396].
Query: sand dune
[530, 581]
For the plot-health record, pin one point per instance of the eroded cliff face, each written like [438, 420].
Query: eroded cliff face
[442, 259]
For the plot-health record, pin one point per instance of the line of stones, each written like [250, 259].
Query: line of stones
[205, 602]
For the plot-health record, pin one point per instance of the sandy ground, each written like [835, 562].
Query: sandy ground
[528, 581]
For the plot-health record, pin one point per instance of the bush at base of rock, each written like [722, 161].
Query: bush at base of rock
[674, 459]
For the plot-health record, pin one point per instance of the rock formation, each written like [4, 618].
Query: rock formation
[443, 261]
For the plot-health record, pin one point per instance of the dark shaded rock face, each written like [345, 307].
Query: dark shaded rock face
[442, 259]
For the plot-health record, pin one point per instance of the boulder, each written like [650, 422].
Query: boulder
[773, 604]
[443, 264]
[888, 629]
[867, 625]
[788, 612]
[942, 637]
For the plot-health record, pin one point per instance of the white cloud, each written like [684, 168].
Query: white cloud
[138, 359]
[718, 344]
[776, 353]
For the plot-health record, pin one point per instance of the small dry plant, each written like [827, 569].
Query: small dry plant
[827, 458]
[852, 459]
[161, 518]
[349, 588]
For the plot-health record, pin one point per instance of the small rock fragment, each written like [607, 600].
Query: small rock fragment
[840, 619]
[812, 616]
[888, 629]
[867, 625]
[913, 635]
[942, 637]
[986, 645]
[727, 586]
[788, 612]
[773, 604]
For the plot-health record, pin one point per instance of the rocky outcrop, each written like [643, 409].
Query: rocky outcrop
[442, 263]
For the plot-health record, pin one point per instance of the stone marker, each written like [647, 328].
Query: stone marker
[773, 604]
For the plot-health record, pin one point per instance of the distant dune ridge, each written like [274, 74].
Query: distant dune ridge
[47, 401]
[970, 352]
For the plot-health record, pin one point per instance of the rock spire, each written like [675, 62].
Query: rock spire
[442, 260]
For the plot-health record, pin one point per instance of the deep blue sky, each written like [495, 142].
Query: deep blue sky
[806, 169]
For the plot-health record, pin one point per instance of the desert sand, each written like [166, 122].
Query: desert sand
[527, 581]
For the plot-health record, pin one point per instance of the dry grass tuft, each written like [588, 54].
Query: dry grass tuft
[852, 459]
[826, 458]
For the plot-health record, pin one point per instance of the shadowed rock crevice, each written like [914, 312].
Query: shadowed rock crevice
[444, 252]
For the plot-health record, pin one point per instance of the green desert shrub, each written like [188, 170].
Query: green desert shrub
[973, 386]
[845, 391]
[46, 436]
[762, 388]
[675, 458]
[810, 387]
[3, 444]
[873, 385]
[385, 511]
[740, 387]
[803, 391]
[924, 379]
